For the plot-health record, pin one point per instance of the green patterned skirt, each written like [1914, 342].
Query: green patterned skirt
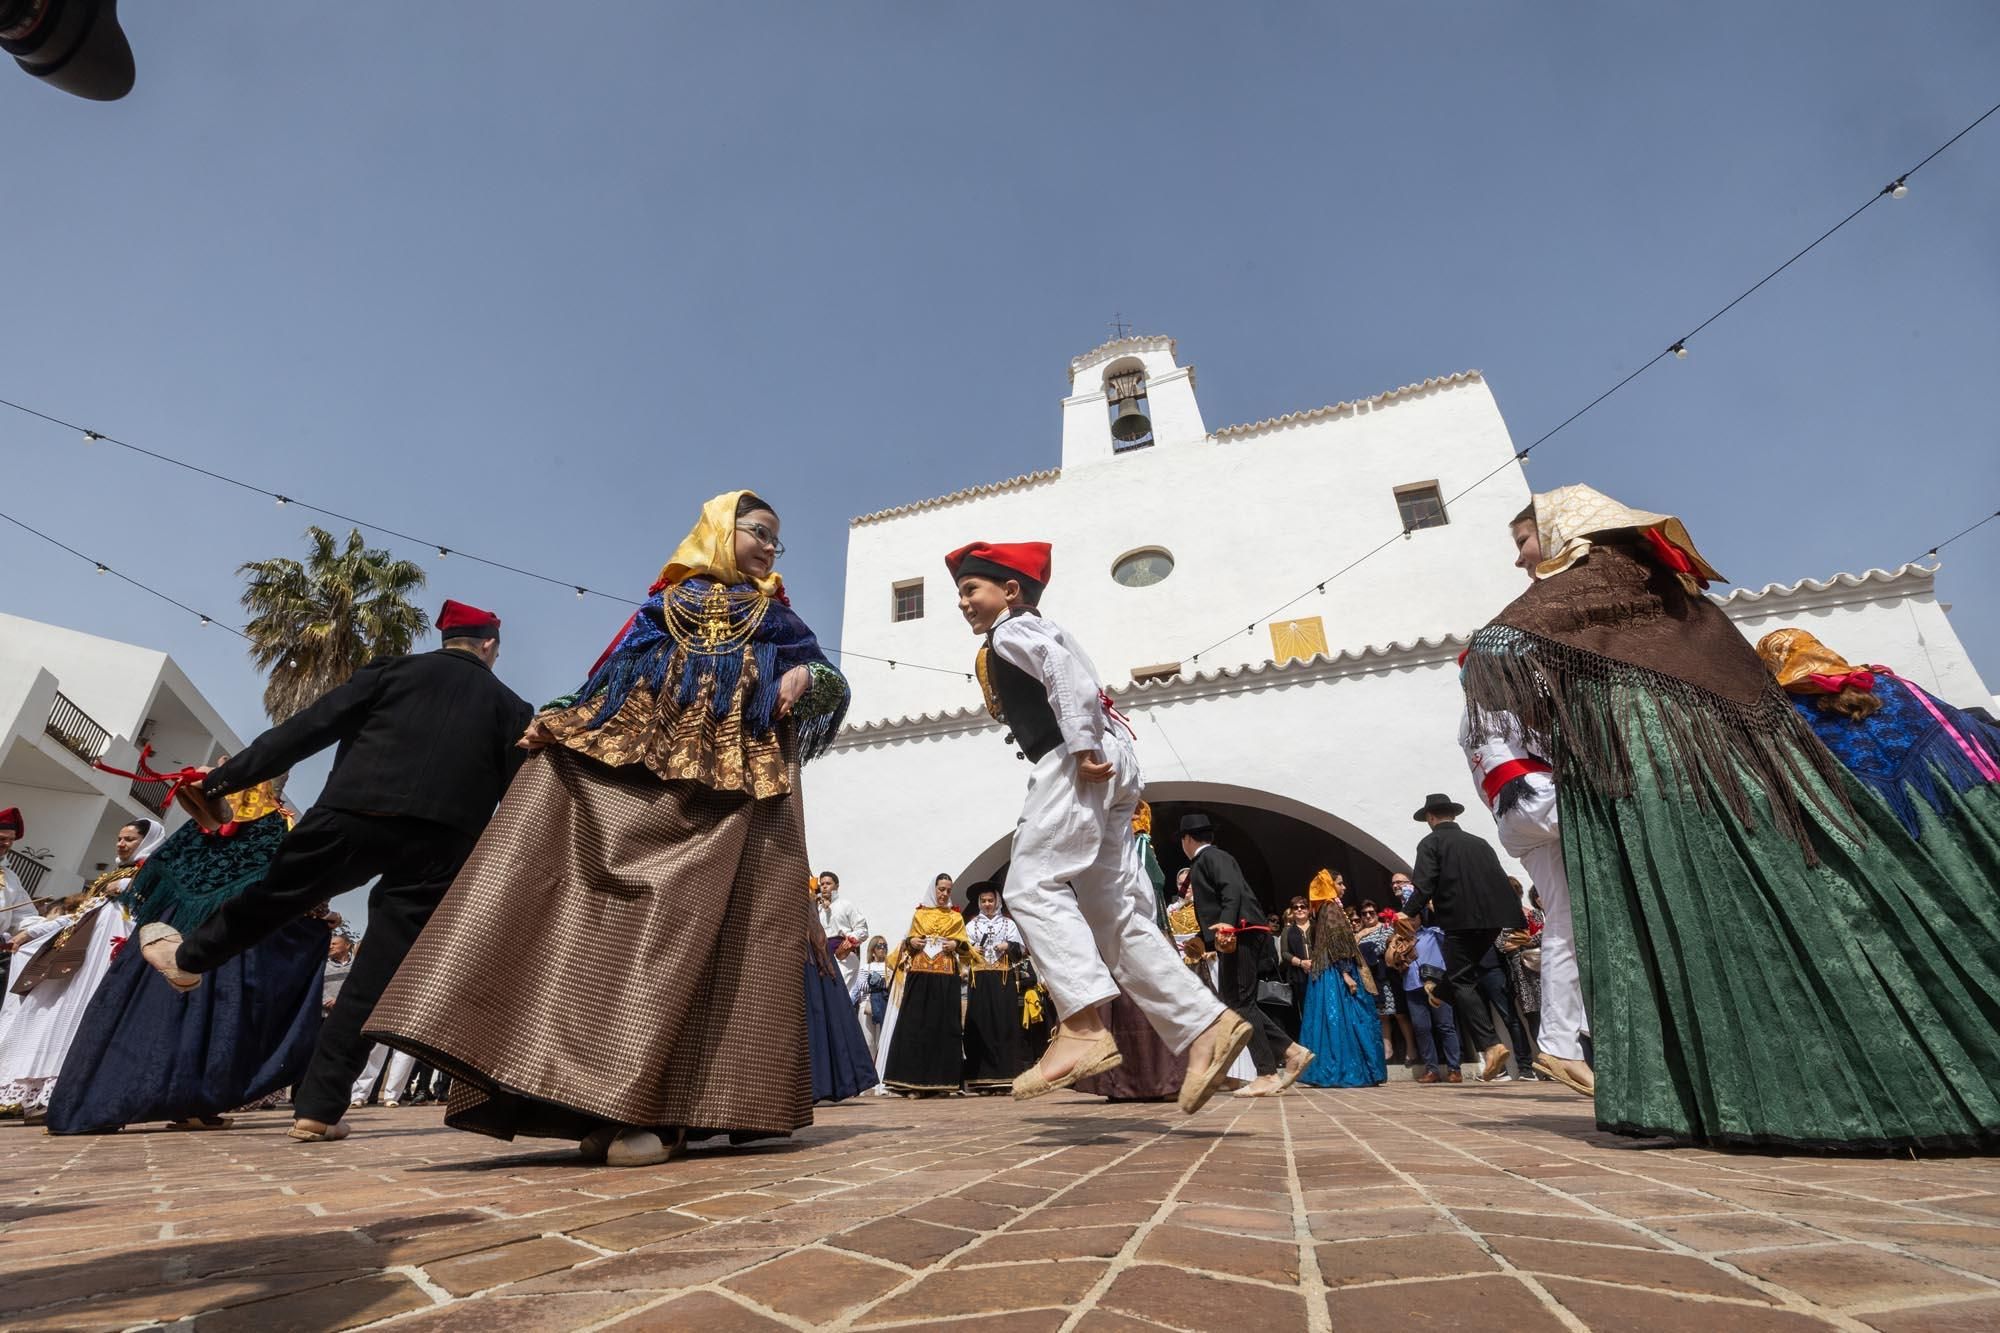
[1740, 996]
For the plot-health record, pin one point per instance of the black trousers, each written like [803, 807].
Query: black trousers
[1494, 988]
[330, 852]
[1462, 951]
[1236, 978]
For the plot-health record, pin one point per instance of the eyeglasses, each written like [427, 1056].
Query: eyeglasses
[764, 535]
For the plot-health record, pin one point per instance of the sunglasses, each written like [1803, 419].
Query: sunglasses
[764, 535]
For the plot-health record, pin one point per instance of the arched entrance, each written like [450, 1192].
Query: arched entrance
[1280, 842]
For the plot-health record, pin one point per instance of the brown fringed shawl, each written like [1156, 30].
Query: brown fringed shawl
[1563, 655]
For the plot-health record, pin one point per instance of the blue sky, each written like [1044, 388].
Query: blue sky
[538, 293]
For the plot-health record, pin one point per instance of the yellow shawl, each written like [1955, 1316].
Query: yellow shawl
[1798, 659]
[1324, 889]
[710, 550]
[944, 922]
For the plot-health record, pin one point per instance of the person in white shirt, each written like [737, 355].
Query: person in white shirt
[1076, 886]
[846, 930]
[18, 909]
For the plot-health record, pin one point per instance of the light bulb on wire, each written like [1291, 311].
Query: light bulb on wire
[1898, 188]
[1680, 350]
[91, 437]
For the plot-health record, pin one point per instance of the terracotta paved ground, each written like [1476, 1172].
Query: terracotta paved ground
[1394, 1209]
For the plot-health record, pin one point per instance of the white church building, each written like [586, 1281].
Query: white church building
[1310, 740]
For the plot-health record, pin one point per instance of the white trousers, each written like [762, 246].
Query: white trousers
[1531, 834]
[1082, 900]
[401, 1064]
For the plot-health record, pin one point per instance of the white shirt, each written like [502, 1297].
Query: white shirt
[990, 936]
[1040, 647]
[17, 909]
[843, 918]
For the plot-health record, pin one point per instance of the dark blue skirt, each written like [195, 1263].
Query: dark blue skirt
[145, 1052]
[841, 1065]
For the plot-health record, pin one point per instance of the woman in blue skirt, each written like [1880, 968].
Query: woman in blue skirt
[1340, 1023]
[147, 1052]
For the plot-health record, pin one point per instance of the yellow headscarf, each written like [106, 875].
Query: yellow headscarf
[1802, 664]
[1142, 820]
[710, 550]
[1568, 516]
[1323, 889]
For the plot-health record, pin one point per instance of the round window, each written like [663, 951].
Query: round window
[1143, 568]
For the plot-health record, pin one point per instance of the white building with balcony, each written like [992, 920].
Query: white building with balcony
[1310, 740]
[67, 699]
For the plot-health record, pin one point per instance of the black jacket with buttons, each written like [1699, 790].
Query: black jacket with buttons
[427, 736]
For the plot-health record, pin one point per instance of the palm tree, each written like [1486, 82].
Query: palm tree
[313, 625]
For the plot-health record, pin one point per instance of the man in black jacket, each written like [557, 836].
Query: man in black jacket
[1233, 923]
[426, 751]
[1460, 879]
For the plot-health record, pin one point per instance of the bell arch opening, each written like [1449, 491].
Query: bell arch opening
[1281, 843]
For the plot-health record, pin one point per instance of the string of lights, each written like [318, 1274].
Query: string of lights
[1962, 532]
[204, 619]
[1678, 349]
[102, 568]
[1895, 189]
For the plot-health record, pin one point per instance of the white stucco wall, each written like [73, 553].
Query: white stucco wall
[73, 812]
[921, 782]
[1893, 620]
[1350, 746]
[1251, 516]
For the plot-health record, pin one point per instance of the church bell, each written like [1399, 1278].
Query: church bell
[1131, 425]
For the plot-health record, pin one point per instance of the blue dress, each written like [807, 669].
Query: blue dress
[145, 1052]
[1342, 1031]
[1932, 764]
[841, 1065]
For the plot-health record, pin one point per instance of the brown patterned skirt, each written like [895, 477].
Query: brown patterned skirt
[617, 949]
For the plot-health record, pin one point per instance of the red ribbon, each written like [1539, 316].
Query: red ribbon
[1671, 555]
[1506, 773]
[175, 780]
[1833, 683]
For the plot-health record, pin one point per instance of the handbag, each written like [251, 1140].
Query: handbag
[1274, 994]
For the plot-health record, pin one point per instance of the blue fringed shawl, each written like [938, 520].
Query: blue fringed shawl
[647, 651]
[1902, 753]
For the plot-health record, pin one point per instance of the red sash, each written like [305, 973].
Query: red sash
[1506, 773]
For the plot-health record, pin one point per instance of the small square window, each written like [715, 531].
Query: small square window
[1421, 506]
[907, 600]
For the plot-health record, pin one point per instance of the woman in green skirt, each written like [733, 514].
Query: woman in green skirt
[1767, 957]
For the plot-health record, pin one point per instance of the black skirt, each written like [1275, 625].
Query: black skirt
[925, 1055]
[993, 1035]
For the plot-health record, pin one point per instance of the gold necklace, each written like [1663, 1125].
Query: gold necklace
[717, 624]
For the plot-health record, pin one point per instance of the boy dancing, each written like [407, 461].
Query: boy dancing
[1076, 888]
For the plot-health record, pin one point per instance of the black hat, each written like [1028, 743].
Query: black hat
[972, 892]
[76, 46]
[1437, 803]
[1197, 824]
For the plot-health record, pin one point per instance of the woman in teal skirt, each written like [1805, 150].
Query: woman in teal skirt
[1767, 957]
[1339, 1023]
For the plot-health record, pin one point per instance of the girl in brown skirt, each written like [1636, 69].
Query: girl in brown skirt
[656, 827]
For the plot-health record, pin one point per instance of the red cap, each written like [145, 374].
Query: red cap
[1026, 561]
[459, 621]
[10, 819]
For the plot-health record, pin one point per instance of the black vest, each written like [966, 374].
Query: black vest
[1024, 706]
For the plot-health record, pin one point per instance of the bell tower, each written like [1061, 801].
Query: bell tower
[1126, 395]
